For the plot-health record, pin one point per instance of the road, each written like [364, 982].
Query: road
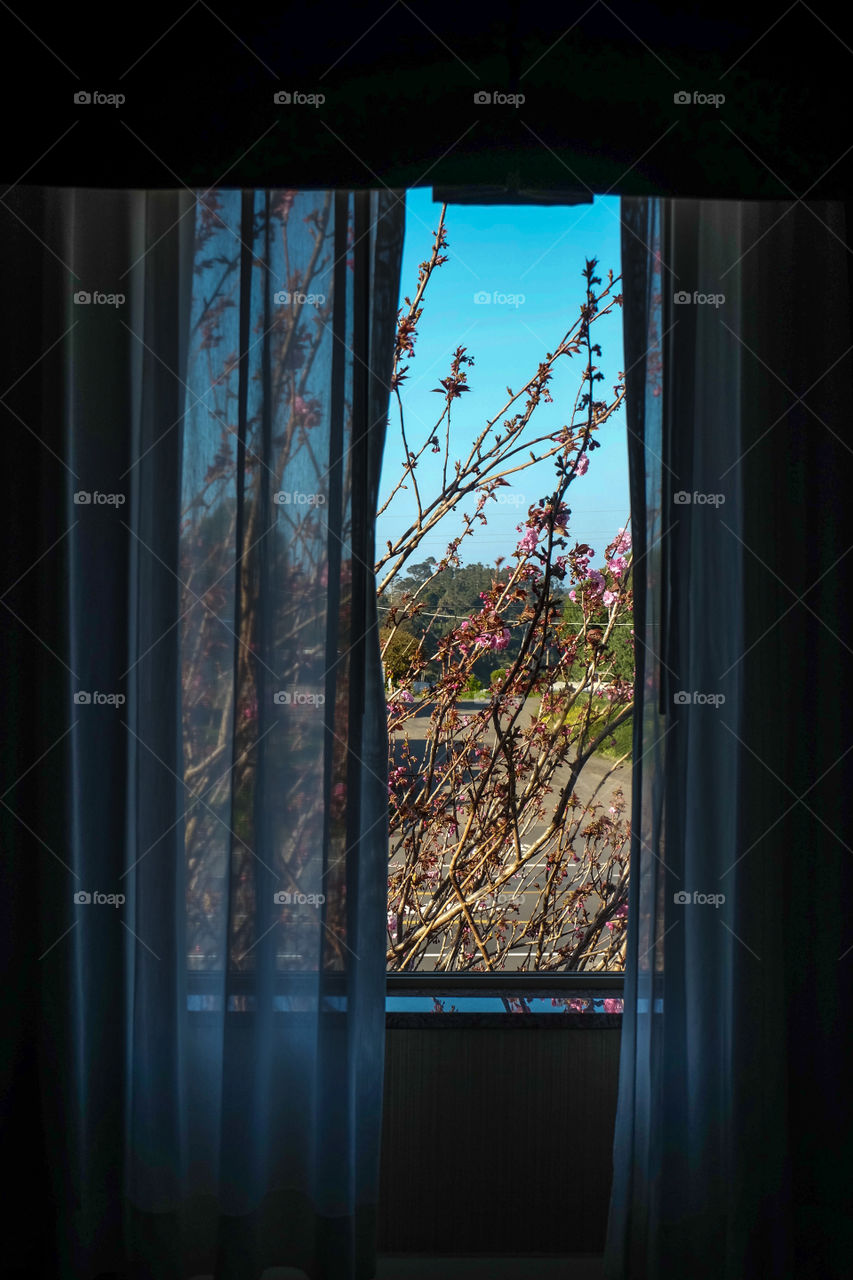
[597, 781]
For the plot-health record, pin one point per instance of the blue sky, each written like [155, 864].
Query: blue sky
[533, 252]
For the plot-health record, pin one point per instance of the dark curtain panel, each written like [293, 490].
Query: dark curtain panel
[731, 1153]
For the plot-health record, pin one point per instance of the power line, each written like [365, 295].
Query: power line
[588, 511]
[461, 617]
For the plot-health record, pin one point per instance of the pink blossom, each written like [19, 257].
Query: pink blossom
[529, 541]
[609, 597]
[583, 463]
[619, 914]
[613, 1006]
[617, 565]
[573, 594]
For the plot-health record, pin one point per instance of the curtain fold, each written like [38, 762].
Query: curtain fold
[731, 1143]
[194, 811]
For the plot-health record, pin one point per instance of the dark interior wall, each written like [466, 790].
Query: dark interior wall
[498, 1140]
[399, 81]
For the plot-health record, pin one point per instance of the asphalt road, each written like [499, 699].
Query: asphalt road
[598, 781]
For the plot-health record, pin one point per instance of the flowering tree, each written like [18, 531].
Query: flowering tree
[491, 850]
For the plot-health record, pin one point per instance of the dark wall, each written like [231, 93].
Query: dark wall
[498, 1140]
[399, 82]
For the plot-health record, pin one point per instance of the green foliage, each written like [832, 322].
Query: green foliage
[400, 651]
[452, 596]
[618, 650]
[621, 741]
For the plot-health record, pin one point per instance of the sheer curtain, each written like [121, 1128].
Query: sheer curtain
[731, 1150]
[194, 809]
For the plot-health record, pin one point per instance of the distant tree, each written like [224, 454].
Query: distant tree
[402, 645]
[618, 653]
[446, 599]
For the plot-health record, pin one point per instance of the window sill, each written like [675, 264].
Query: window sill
[574, 1000]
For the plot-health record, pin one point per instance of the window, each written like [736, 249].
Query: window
[506, 623]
